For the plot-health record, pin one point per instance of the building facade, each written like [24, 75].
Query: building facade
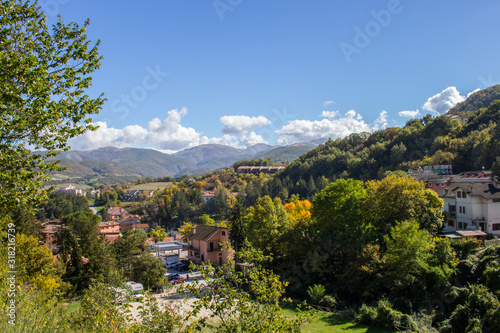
[208, 244]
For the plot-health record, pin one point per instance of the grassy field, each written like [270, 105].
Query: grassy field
[324, 322]
[151, 186]
[72, 307]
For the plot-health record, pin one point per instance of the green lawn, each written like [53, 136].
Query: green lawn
[324, 322]
[72, 307]
[151, 186]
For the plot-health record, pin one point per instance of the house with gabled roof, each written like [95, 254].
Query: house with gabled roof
[472, 206]
[110, 229]
[209, 244]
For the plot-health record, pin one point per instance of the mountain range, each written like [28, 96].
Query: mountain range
[145, 162]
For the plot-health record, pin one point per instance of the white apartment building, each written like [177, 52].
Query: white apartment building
[472, 206]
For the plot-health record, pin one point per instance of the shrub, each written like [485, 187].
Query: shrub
[328, 301]
[385, 316]
[316, 293]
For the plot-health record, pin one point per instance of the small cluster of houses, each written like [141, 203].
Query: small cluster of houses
[137, 195]
[259, 169]
[120, 220]
[471, 202]
[93, 194]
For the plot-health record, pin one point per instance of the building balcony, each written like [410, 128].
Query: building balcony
[215, 249]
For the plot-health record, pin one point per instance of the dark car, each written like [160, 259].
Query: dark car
[158, 289]
[171, 277]
[182, 267]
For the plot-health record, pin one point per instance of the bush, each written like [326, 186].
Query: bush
[316, 293]
[329, 301]
[385, 316]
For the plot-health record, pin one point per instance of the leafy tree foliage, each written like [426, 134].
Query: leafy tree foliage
[158, 234]
[59, 204]
[84, 250]
[267, 223]
[42, 97]
[232, 310]
[37, 266]
[130, 244]
[147, 269]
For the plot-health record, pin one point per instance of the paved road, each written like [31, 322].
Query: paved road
[94, 209]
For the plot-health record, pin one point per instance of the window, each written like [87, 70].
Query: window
[496, 227]
[459, 225]
[451, 223]
[465, 225]
[223, 233]
[430, 184]
[459, 194]
[464, 195]
[443, 184]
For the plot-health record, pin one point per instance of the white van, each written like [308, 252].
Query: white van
[135, 287]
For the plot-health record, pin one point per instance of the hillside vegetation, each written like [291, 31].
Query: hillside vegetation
[479, 99]
[426, 141]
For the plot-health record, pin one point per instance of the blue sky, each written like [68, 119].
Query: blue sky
[179, 73]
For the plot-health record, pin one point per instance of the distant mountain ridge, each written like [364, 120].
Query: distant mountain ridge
[145, 162]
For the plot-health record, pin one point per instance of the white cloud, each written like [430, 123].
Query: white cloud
[381, 122]
[409, 113]
[170, 134]
[326, 103]
[242, 124]
[473, 92]
[329, 114]
[108, 136]
[167, 135]
[306, 130]
[251, 139]
[228, 140]
[443, 101]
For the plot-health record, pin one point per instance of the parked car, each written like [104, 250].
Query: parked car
[171, 277]
[135, 287]
[173, 264]
[158, 289]
[178, 280]
[182, 267]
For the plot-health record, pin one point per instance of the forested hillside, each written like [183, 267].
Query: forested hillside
[479, 99]
[426, 141]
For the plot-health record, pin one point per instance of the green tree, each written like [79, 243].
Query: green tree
[43, 79]
[233, 310]
[158, 234]
[267, 221]
[37, 266]
[148, 270]
[238, 227]
[395, 199]
[79, 238]
[130, 244]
